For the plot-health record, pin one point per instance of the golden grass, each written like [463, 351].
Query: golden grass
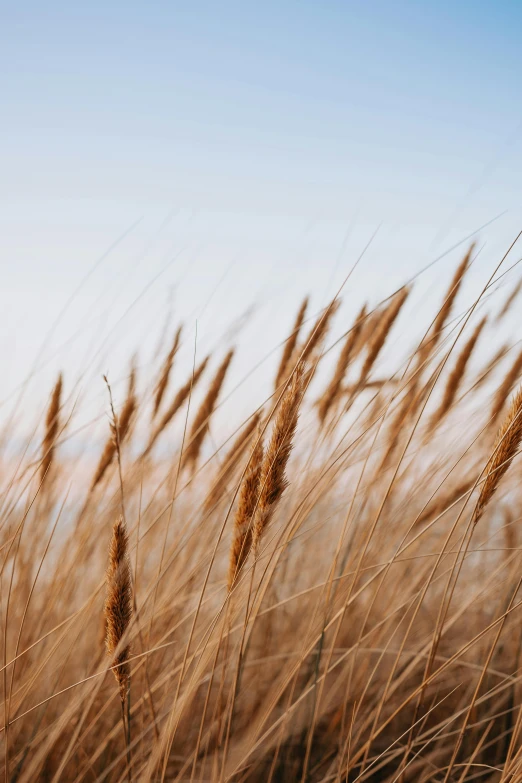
[118, 606]
[166, 370]
[291, 343]
[272, 476]
[246, 506]
[52, 426]
[333, 390]
[330, 594]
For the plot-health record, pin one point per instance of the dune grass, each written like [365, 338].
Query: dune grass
[329, 592]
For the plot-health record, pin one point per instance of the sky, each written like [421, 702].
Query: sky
[208, 156]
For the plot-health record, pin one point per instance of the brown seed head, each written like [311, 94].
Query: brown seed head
[231, 460]
[505, 388]
[163, 380]
[428, 345]
[507, 444]
[120, 428]
[176, 404]
[319, 331]
[509, 301]
[202, 418]
[457, 374]
[52, 425]
[442, 504]
[247, 502]
[273, 480]
[333, 389]
[290, 344]
[381, 332]
[484, 372]
[118, 606]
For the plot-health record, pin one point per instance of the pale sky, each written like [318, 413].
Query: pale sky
[217, 155]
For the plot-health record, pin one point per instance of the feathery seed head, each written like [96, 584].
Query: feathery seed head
[202, 418]
[52, 425]
[273, 481]
[247, 503]
[118, 606]
[507, 444]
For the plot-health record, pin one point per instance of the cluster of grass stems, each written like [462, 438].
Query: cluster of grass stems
[329, 592]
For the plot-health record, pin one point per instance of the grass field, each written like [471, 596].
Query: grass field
[329, 592]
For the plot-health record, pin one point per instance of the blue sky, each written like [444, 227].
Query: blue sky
[259, 145]
[223, 96]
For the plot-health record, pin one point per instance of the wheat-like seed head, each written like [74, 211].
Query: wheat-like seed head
[52, 425]
[505, 387]
[381, 332]
[486, 371]
[120, 427]
[118, 606]
[457, 375]
[429, 344]
[509, 301]
[290, 344]
[163, 380]
[333, 389]
[247, 503]
[180, 397]
[206, 409]
[507, 444]
[273, 481]
[231, 461]
[319, 331]
[445, 502]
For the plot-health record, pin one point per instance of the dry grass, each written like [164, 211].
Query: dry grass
[166, 370]
[330, 594]
[247, 503]
[290, 344]
[333, 390]
[202, 419]
[118, 607]
[52, 426]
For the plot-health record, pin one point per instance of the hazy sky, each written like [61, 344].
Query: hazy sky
[250, 150]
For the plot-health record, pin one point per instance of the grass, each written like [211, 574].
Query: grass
[329, 593]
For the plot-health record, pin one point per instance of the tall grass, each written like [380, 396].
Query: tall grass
[328, 590]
